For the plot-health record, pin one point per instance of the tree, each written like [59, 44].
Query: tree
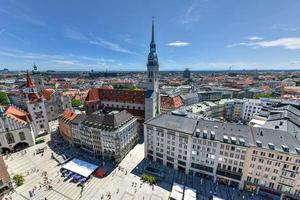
[148, 178]
[269, 95]
[75, 103]
[18, 179]
[4, 101]
[189, 81]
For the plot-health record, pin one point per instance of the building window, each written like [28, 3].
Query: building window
[22, 136]
[10, 138]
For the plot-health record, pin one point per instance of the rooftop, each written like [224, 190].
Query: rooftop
[173, 122]
[114, 119]
[233, 133]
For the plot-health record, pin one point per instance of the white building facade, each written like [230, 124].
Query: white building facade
[15, 133]
[251, 107]
[197, 147]
[36, 108]
[108, 136]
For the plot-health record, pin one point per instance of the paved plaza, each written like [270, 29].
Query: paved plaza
[122, 183]
[117, 183]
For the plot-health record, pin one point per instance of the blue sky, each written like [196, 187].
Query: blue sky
[115, 34]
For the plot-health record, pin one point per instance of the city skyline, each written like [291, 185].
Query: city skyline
[200, 35]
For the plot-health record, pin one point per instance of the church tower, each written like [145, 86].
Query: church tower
[38, 79]
[152, 96]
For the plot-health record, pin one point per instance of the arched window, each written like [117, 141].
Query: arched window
[10, 138]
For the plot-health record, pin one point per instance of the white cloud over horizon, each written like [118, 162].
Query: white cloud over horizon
[56, 61]
[255, 38]
[90, 38]
[291, 43]
[178, 44]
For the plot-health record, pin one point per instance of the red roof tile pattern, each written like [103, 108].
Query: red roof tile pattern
[168, 102]
[68, 115]
[17, 114]
[29, 81]
[117, 95]
[92, 95]
[47, 93]
[34, 97]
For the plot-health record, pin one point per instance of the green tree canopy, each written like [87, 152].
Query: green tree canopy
[4, 101]
[75, 103]
[128, 86]
[18, 179]
[268, 95]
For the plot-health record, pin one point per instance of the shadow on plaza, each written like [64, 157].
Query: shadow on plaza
[60, 147]
[163, 182]
[205, 188]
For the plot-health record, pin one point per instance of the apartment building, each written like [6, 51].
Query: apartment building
[109, 136]
[200, 147]
[251, 107]
[272, 165]
[262, 160]
[228, 109]
[64, 122]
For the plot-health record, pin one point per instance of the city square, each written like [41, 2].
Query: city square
[150, 100]
[121, 183]
[116, 183]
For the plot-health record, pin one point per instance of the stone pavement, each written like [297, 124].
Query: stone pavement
[116, 183]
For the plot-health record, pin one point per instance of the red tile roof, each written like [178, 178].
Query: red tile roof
[34, 97]
[168, 102]
[69, 115]
[29, 81]
[117, 95]
[47, 93]
[92, 95]
[17, 114]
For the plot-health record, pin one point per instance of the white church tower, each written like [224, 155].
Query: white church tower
[152, 96]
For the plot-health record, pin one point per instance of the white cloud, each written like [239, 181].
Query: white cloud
[190, 15]
[66, 62]
[288, 43]
[23, 15]
[57, 61]
[255, 38]
[178, 44]
[225, 65]
[240, 44]
[74, 34]
[109, 45]
[292, 43]
[284, 27]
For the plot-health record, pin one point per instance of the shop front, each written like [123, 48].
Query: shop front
[223, 181]
[269, 193]
[250, 187]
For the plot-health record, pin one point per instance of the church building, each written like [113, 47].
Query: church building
[143, 104]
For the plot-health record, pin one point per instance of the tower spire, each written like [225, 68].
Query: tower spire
[152, 41]
[152, 44]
